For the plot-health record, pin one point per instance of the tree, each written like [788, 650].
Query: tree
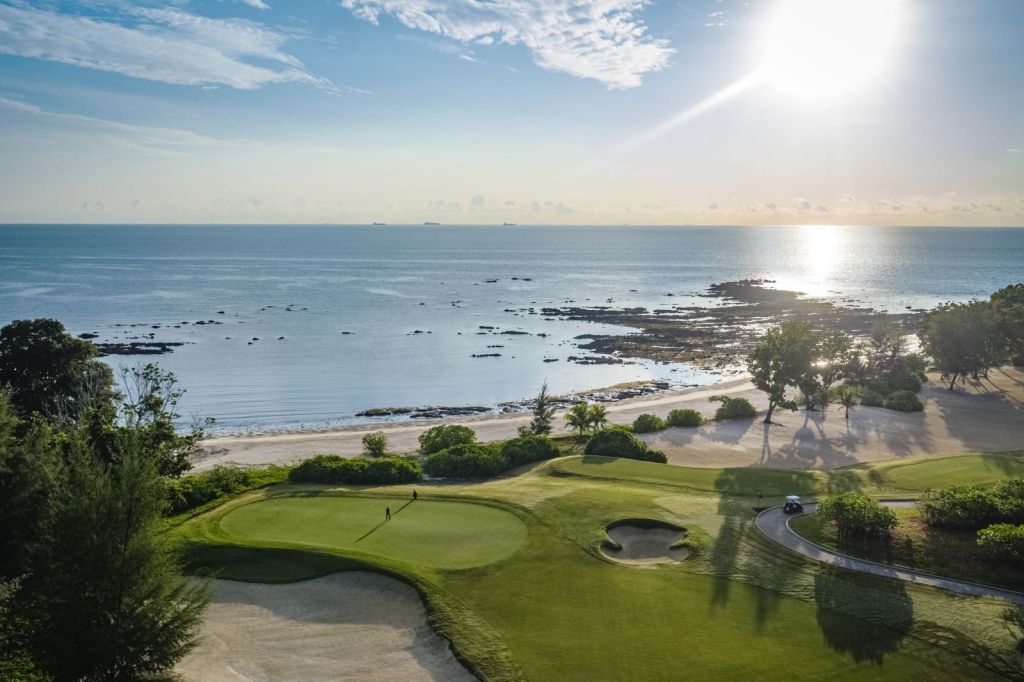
[782, 357]
[543, 412]
[375, 444]
[445, 436]
[47, 370]
[857, 517]
[598, 416]
[836, 353]
[847, 396]
[578, 417]
[1008, 303]
[962, 339]
[108, 589]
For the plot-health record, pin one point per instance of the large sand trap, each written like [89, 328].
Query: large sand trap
[644, 542]
[353, 626]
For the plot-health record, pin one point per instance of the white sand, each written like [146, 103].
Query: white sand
[645, 546]
[983, 416]
[346, 626]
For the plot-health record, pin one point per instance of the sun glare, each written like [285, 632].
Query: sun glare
[820, 48]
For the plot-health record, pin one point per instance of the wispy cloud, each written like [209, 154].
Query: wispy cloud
[135, 138]
[604, 40]
[166, 45]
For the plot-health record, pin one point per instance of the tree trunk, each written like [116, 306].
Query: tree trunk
[953, 382]
[771, 409]
[847, 412]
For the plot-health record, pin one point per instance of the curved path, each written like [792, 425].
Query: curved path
[774, 524]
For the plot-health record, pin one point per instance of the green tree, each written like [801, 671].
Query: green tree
[962, 339]
[108, 589]
[598, 417]
[375, 444]
[49, 371]
[847, 396]
[578, 417]
[445, 436]
[834, 356]
[857, 517]
[543, 412]
[1008, 303]
[781, 358]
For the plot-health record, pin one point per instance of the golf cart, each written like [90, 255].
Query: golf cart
[792, 505]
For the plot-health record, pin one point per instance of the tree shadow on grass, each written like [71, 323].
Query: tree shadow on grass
[864, 618]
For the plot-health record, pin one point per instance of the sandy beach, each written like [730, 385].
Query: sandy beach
[983, 415]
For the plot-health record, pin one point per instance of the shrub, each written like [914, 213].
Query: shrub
[733, 408]
[872, 398]
[468, 460]
[528, 448]
[445, 436]
[685, 417]
[335, 469]
[857, 516]
[959, 506]
[375, 444]
[903, 401]
[618, 442]
[1003, 541]
[196, 490]
[648, 423]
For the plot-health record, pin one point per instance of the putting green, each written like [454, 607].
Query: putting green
[438, 534]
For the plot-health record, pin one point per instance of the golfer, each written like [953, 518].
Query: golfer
[387, 513]
[414, 495]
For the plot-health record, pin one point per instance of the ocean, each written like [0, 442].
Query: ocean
[393, 315]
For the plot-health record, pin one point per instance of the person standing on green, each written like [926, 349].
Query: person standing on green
[414, 495]
[387, 513]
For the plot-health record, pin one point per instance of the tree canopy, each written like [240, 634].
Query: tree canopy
[781, 359]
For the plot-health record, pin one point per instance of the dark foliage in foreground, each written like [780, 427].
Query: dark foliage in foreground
[335, 469]
[973, 506]
[526, 449]
[857, 517]
[470, 460]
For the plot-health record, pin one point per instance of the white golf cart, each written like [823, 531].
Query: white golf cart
[793, 505]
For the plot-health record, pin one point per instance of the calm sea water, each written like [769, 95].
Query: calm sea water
[382, 284]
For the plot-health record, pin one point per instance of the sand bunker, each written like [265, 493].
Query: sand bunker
[645, 542]
[357, 626]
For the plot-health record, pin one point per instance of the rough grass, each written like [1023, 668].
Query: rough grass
[739, 608]
[914, 544]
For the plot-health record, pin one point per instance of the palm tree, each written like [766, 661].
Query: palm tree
[847, 396]
[578, 417]
[598, 416]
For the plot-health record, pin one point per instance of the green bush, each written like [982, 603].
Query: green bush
[528, 448]
[973, 506]
[445, 436]
[872, 398]
[618, 442]
[468, 460]
[733, 408]
[686, 417]
[903, 401]
[375, 444]
[857, 516]
[1003, 541]
[196, 490]
[335, 469]
[648, 423]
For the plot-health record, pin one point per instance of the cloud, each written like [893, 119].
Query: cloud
[258, 4]
[478, 201]
[165, 45]
[124, 135]
[603, 40]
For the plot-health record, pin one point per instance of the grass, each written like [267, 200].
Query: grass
[914, 544]
[548, 605]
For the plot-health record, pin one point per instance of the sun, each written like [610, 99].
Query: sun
[820, 48]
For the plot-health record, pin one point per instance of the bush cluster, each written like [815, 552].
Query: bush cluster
[445, 436]
[335, 469]
[468, 460]
[685, 417]
[973, 506]
[857, 516]
[528, 448]
[196, 490]
[648, 423]
[1003, 541]
[872, 398]
[903, 401]
[733, 408]
[618, 442]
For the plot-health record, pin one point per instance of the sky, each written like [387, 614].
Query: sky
[892, 112]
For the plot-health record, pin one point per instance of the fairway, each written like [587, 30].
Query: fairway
[438, 534]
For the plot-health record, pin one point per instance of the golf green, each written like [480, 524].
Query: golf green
[437, 534]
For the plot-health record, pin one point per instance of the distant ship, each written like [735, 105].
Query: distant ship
[430, 223]
[380, 223]
[508, 224]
